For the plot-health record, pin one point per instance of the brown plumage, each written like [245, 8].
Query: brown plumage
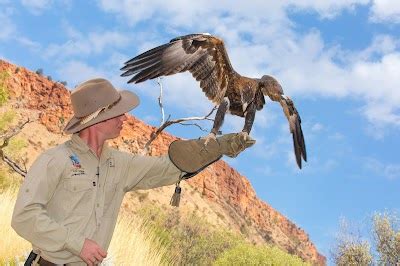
[205, 57]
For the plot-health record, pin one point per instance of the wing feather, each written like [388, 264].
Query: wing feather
[210, 87]
[201, 54]
[295, 128]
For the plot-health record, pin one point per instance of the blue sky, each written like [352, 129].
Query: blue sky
[338, 60]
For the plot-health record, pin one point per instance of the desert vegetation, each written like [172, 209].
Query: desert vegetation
[380, 246]
[192, 240]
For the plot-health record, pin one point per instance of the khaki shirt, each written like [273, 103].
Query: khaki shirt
[69, 195]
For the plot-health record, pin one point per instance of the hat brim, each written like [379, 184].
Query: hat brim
[128, 101]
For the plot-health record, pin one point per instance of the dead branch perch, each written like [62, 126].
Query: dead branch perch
[167, 123]
[160, 101]
[13, 165]
[6, 137]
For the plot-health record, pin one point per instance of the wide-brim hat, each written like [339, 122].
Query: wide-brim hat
[97, 100]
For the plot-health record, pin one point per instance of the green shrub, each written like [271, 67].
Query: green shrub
[7, 180]
[211, 246]
[194, 241]
[248, 254]
[352, 249]
[5, 120]
[353, 254]
[15, 147]
[200, 244]
[39, 71]
[191, 240]
[386, 231]
[3, 87]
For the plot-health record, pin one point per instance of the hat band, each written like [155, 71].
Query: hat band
[89, 117]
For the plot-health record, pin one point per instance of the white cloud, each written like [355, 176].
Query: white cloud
[317, 127]
[327, 8]
[29, 43]
[9, 31]
[390, 171]
[265, 170]
[259, 44]
[337, 136]
[380, 45]
[87, 44]
[308, 67]
[134, 11]
[266, 118]
[8, 27]
[36, 7]
[183, 89]
[385, 11]
[377, 82]
[75, 72]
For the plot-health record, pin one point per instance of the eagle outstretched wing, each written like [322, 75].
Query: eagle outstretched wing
[294, 120]
[202, 55]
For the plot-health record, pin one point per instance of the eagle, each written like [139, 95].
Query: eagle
[206, 58]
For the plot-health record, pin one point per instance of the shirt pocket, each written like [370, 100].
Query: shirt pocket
[78, 196]
[111, 197]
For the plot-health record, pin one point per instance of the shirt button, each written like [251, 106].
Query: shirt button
[27, 190]
[98, 205]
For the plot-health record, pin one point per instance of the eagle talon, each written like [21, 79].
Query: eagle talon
[207, 139]
[245, 134]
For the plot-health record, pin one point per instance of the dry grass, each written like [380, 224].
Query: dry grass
[12, 247]
[132, 240]
[134, 243]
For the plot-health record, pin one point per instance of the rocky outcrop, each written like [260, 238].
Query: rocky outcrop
[221, 187]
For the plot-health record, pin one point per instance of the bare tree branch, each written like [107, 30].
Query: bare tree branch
[166, 123]
[13, 165]
[6, 137]
[160, 101]
[194, 124]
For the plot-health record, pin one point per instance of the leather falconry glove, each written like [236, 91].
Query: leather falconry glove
[192, 156]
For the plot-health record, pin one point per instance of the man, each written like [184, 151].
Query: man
[68, 205]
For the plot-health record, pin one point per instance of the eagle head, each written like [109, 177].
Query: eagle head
[271, 87]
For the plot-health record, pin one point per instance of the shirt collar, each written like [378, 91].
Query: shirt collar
[80, 145]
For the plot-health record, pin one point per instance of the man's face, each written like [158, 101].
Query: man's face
[111, 128]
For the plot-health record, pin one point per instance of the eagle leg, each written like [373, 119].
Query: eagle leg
[219, 117]
[249, 119]
[218, 120]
